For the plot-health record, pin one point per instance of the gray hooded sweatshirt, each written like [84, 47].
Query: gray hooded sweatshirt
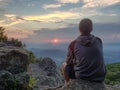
[89, 62]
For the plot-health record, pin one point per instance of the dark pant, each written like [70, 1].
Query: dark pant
[70, 71]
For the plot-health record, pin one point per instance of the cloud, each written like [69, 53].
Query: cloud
[1, 21]
[107, 32]
[53, 17]
[99, 3]
[57, 17]
[19, 33]
[4, 2]
[59, 3]
[10, 15]
[86, 13]
[47, 6]
[11, 20]
[45, 35]
[96, 9]
[13, 17]
[68, 1]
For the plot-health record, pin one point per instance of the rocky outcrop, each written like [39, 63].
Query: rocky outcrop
[14, 62]
[85, 85]
[13, 59]
[49, 78]
[46, 73]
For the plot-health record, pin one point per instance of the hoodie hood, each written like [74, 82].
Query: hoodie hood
[86, 40]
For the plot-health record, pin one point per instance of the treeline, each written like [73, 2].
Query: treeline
[10, 41]
[113, 74]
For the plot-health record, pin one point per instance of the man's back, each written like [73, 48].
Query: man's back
[85, 56]
[89, 62]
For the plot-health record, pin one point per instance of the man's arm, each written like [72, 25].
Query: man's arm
[100, 42]
[70, 55]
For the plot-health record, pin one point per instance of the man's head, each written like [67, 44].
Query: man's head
[85, 26]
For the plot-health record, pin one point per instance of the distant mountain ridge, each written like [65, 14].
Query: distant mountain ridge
[59, 52]
[57, 55]
[48, 52]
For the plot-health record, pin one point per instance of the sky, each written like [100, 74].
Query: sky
[56, 21]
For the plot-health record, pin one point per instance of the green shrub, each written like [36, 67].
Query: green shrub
[32, 82]
[113, 74]
[31, 57]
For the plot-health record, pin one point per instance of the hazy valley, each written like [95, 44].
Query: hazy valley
[58, 52]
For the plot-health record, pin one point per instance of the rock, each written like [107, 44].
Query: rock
[14, 63]
[49, 66]
[7, 81]
[46, 73]
[2, 44]
[85, 85]
[49, 78]
[13, 59]
[22, 80]
[117, 85]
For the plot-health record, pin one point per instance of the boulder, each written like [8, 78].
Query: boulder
[13, 59]
[2, 44]
[8, 81]
[79, 84]
[14, 63]
[46, 73]
[22, 80]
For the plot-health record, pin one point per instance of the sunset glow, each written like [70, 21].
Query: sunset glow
[56, 21]
[55, 40]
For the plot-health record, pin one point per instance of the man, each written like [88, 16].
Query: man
[85, 56]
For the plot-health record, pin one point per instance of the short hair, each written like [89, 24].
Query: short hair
[85, 26]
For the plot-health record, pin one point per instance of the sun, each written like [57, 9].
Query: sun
[55, 40]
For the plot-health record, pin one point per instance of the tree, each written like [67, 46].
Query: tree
[16, 42]
[13, 41]
[3, 37]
